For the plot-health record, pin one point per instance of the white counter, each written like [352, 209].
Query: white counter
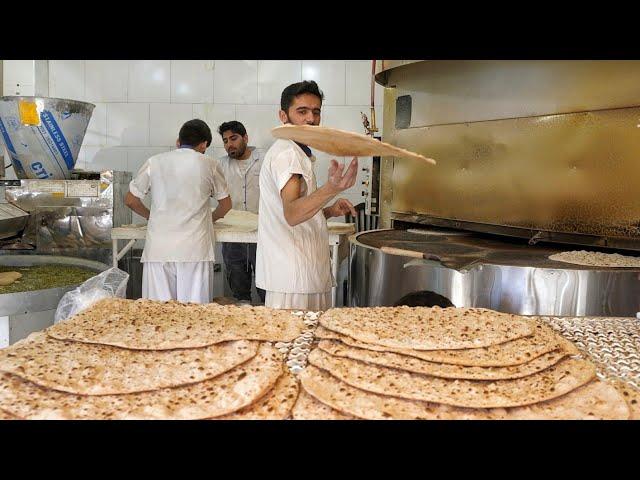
[236, 226]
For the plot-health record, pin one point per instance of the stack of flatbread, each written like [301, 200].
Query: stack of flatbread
[454, 363]
[125, 359]
[597, 259]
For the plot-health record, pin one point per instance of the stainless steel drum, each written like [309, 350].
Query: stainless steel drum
[476, 270]
[43, 135]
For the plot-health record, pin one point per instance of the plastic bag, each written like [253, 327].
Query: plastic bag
[108, 284]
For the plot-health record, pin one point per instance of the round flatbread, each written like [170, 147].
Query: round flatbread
[553, 382]
[631, 395]
[7, 416]
[275, 405]
[443, 370]
[308, 408]
[596, 400]
[597, 259]
[424, 328]
[219, 396]
[592, 401]
[343, 143]
[153, 325]
[90, 369]
[513, 352]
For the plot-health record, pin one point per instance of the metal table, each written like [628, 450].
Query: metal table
[240, 229]
[612, 343]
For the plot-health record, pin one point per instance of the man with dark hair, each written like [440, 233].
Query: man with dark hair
[178, 253]
[293, 263]
[424, 298]
[241, 167]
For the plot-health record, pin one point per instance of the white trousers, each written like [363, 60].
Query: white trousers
[181, 281]
[298, 301]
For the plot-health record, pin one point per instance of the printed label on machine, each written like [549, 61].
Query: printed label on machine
[65, 188]
[46, 186]
[76, 189]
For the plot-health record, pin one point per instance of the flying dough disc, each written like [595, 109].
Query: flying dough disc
[342, 143]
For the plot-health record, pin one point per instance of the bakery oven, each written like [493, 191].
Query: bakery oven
[534, 158]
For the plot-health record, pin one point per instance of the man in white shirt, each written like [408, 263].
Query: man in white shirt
[178, 254]
[241, 167]
[293, 263]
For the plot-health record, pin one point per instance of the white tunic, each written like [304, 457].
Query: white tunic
[243, 180]
[290, 259]
[180, 228]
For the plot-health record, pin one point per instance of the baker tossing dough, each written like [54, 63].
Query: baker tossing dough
[292, 262]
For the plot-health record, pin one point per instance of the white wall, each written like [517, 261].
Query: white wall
[18, 77]
[140, 105]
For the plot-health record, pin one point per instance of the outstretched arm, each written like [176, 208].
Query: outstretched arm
[299, 209]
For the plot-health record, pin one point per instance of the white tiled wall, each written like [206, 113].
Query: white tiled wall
[67, 79]
[141, 104]
[192, 81]
[99, 158]
[128, 124]
[149, 81]
[330, 76]
[274, 76]
[235, 81]
[356, 75]
[18, 77]
[165, 120]
[18, 72]
[96, 135]
[104, 80]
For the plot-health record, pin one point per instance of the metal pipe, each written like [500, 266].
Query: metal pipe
[373, 83]
[373, 128]
[370, 127]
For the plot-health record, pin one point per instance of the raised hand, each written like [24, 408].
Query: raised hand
[339, 182]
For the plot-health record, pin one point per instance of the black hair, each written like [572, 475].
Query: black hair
[234, 126]
[424, 298]
[295, 89]
[194, 132]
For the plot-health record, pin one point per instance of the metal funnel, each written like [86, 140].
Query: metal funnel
[43, 135]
